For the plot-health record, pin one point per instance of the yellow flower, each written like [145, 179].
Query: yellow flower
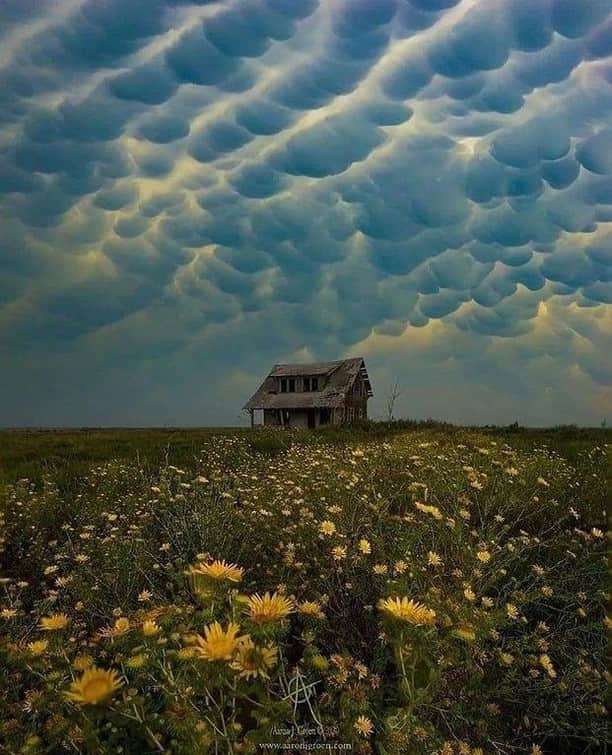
[311, 608]
[327, 527]
[547, 665]
[338, 553]
[150, 628]
[536, 750]
[363, 726]
[408, 610]
[82, 662]
[54, 622]
[365, 547]
[511, 611]
[433, 510]
[433, 559]
[464, 632]
[39, 647]
[136, 661]
[95, 686]
[120, 627]
[469, 594]
[218, 570]
[252, 661]
[400, 567]
[380, 569]
[268, 608]
[218, 644]
[483, 556]
[507, 659]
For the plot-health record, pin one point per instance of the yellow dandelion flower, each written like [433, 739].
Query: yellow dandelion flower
[511, 611]
[507, 659]
[252, 661]
[547, 665]
[483, 556]
[39, 647]
[54, 622]
[400, 567]
[218, 570]
[380, 569]
[469, 594]
[94, 686]
[363, 726]
[464, 632]
[311, 608]
[218, 644]
[150, 628]
[327, 527]
[136, 661]
[536, 750]
[82, 662]
[409, 611]
[433, 559]
[365, 547]
[264, 609]
[338, 553]
[186, 654]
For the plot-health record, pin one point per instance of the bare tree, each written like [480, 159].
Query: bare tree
[392, 395]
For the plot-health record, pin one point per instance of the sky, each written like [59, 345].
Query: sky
[192, 191]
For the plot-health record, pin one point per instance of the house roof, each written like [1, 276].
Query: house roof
[337, 379]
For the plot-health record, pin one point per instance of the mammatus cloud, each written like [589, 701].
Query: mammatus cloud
[192, 190]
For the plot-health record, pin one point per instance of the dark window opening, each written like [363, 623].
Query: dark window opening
[306, 384]
[283, 385]
[291, 385]
[315, 384]
[325, 416]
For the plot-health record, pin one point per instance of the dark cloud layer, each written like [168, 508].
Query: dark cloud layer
[190, 190]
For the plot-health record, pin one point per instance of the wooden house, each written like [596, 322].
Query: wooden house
[310, 395]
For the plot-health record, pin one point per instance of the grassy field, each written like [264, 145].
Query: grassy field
[436, 589]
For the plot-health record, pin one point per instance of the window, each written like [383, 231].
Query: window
[291, 385]
[315, 384]
[283, 385]
[306, 384]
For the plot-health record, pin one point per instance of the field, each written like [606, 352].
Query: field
[389, 589]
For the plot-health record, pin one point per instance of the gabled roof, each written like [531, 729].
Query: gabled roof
[336, 377]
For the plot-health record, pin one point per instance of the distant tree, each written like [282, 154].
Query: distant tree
[392, 395]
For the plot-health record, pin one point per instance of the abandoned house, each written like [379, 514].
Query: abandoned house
[309, 395]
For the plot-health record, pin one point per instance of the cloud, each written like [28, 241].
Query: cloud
[207, 187]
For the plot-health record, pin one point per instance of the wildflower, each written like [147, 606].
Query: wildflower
[254, 661]
[54, 622]
[119, 628]
[464, 632]
[327, 528]
[95, 686]
[39, 647]
[144, 596]
[512, 611]
[483, 556]
[136, 661]
[338, 553]
[365, 547]
[218, 644]
[433, 510]
[469, 594]
[8, 613]
[408, 610]
[507, 659]
[400, 567]
[433, 559]
[218, 570]
[380, 569]
[82, 662]
[487, 602]
[547, 665]
[150, 628]
[268, 608]
[536, 750]
[311, 608]
[547, 590]
[363, 726]
[596, 532]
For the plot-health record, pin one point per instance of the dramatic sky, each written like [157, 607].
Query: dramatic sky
[191, 191]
